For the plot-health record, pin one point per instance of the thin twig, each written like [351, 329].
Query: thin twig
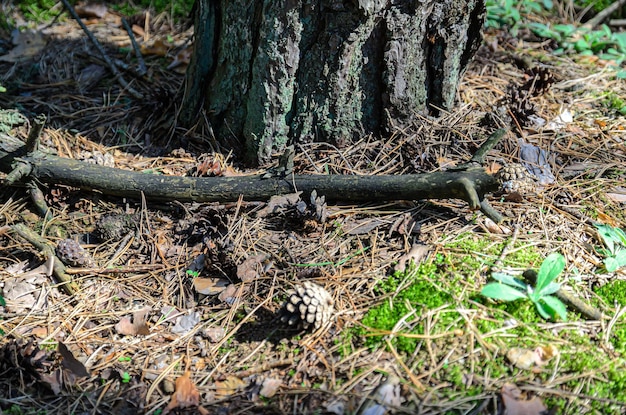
[46, 250]
[32, 142]
[112, 67]
[606, 13]
[142, 64]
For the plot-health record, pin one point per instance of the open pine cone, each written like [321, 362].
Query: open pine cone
[515, 177]
[309, 305]
[72, 254]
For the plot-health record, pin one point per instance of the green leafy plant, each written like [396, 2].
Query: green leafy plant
[509, 288]
[603, 43]
[125, 377]
[508, 13]
[615, 252]
[192, 273]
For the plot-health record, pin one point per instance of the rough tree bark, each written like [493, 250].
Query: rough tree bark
[269, 72]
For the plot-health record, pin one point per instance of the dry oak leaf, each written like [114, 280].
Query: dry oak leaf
[135, 327]
[210, 286]
[416, 255]
[70, 363]
[527, 359]
[228, 386]
[90, 9]
[27, 44]
[516, 404]
[186, 395]
[249, 269]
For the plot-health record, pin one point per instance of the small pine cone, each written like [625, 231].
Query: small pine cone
[540, 81]
[309, 305]
[515, 178]
[72, 254]
[519, 103]
[564, 197]
[115, 226]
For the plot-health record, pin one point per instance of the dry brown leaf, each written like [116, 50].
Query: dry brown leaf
[496, 228]
[40, 332]
[27, 44]
[158, 48]
[516, 404]
[249, 269]
[417, 253]
[54, 380]
[91, 9]
[278, 203]
[527, 359]
[619, 197]
[135, 327]
[232, 292]
[270, 387]
[186, 395]
[607, 220]
[181, 60]
[70, 363]
[228, 386]
[210, 286]
[214, 334]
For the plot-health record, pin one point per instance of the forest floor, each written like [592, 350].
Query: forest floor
[182, 299]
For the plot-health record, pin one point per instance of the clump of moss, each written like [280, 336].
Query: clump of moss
[613, 292]
[420, 294]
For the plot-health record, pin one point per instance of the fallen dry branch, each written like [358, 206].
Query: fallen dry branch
[469, 182]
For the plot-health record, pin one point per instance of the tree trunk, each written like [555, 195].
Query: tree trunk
[271, 72]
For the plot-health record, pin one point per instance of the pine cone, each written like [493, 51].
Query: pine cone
[515, 178]
[518, 101]
[72, 254]
[115, 226]
[309, 305]
[539, 82]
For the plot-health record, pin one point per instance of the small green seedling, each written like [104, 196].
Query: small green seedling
[125, 377]
[509, 288]
[615, 252]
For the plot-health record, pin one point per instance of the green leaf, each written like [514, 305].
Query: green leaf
[555, 306]
[611, 264]
[543, 310]
[620, 257]
[566, 29]
[547, 4]
[621, 236]
[607, 234]
[550, 268]
[509, 280]
[502, 292]
[2, 302]
[549, 289]
[581, 45]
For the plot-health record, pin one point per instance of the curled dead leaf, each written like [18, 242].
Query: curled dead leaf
[270, 387]
[250, 269]
[516, 403]
[417, 253]
[210, 286]
[228, 386]
[186, 395]
[527, 359]
[70, 363]
[135, 327]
